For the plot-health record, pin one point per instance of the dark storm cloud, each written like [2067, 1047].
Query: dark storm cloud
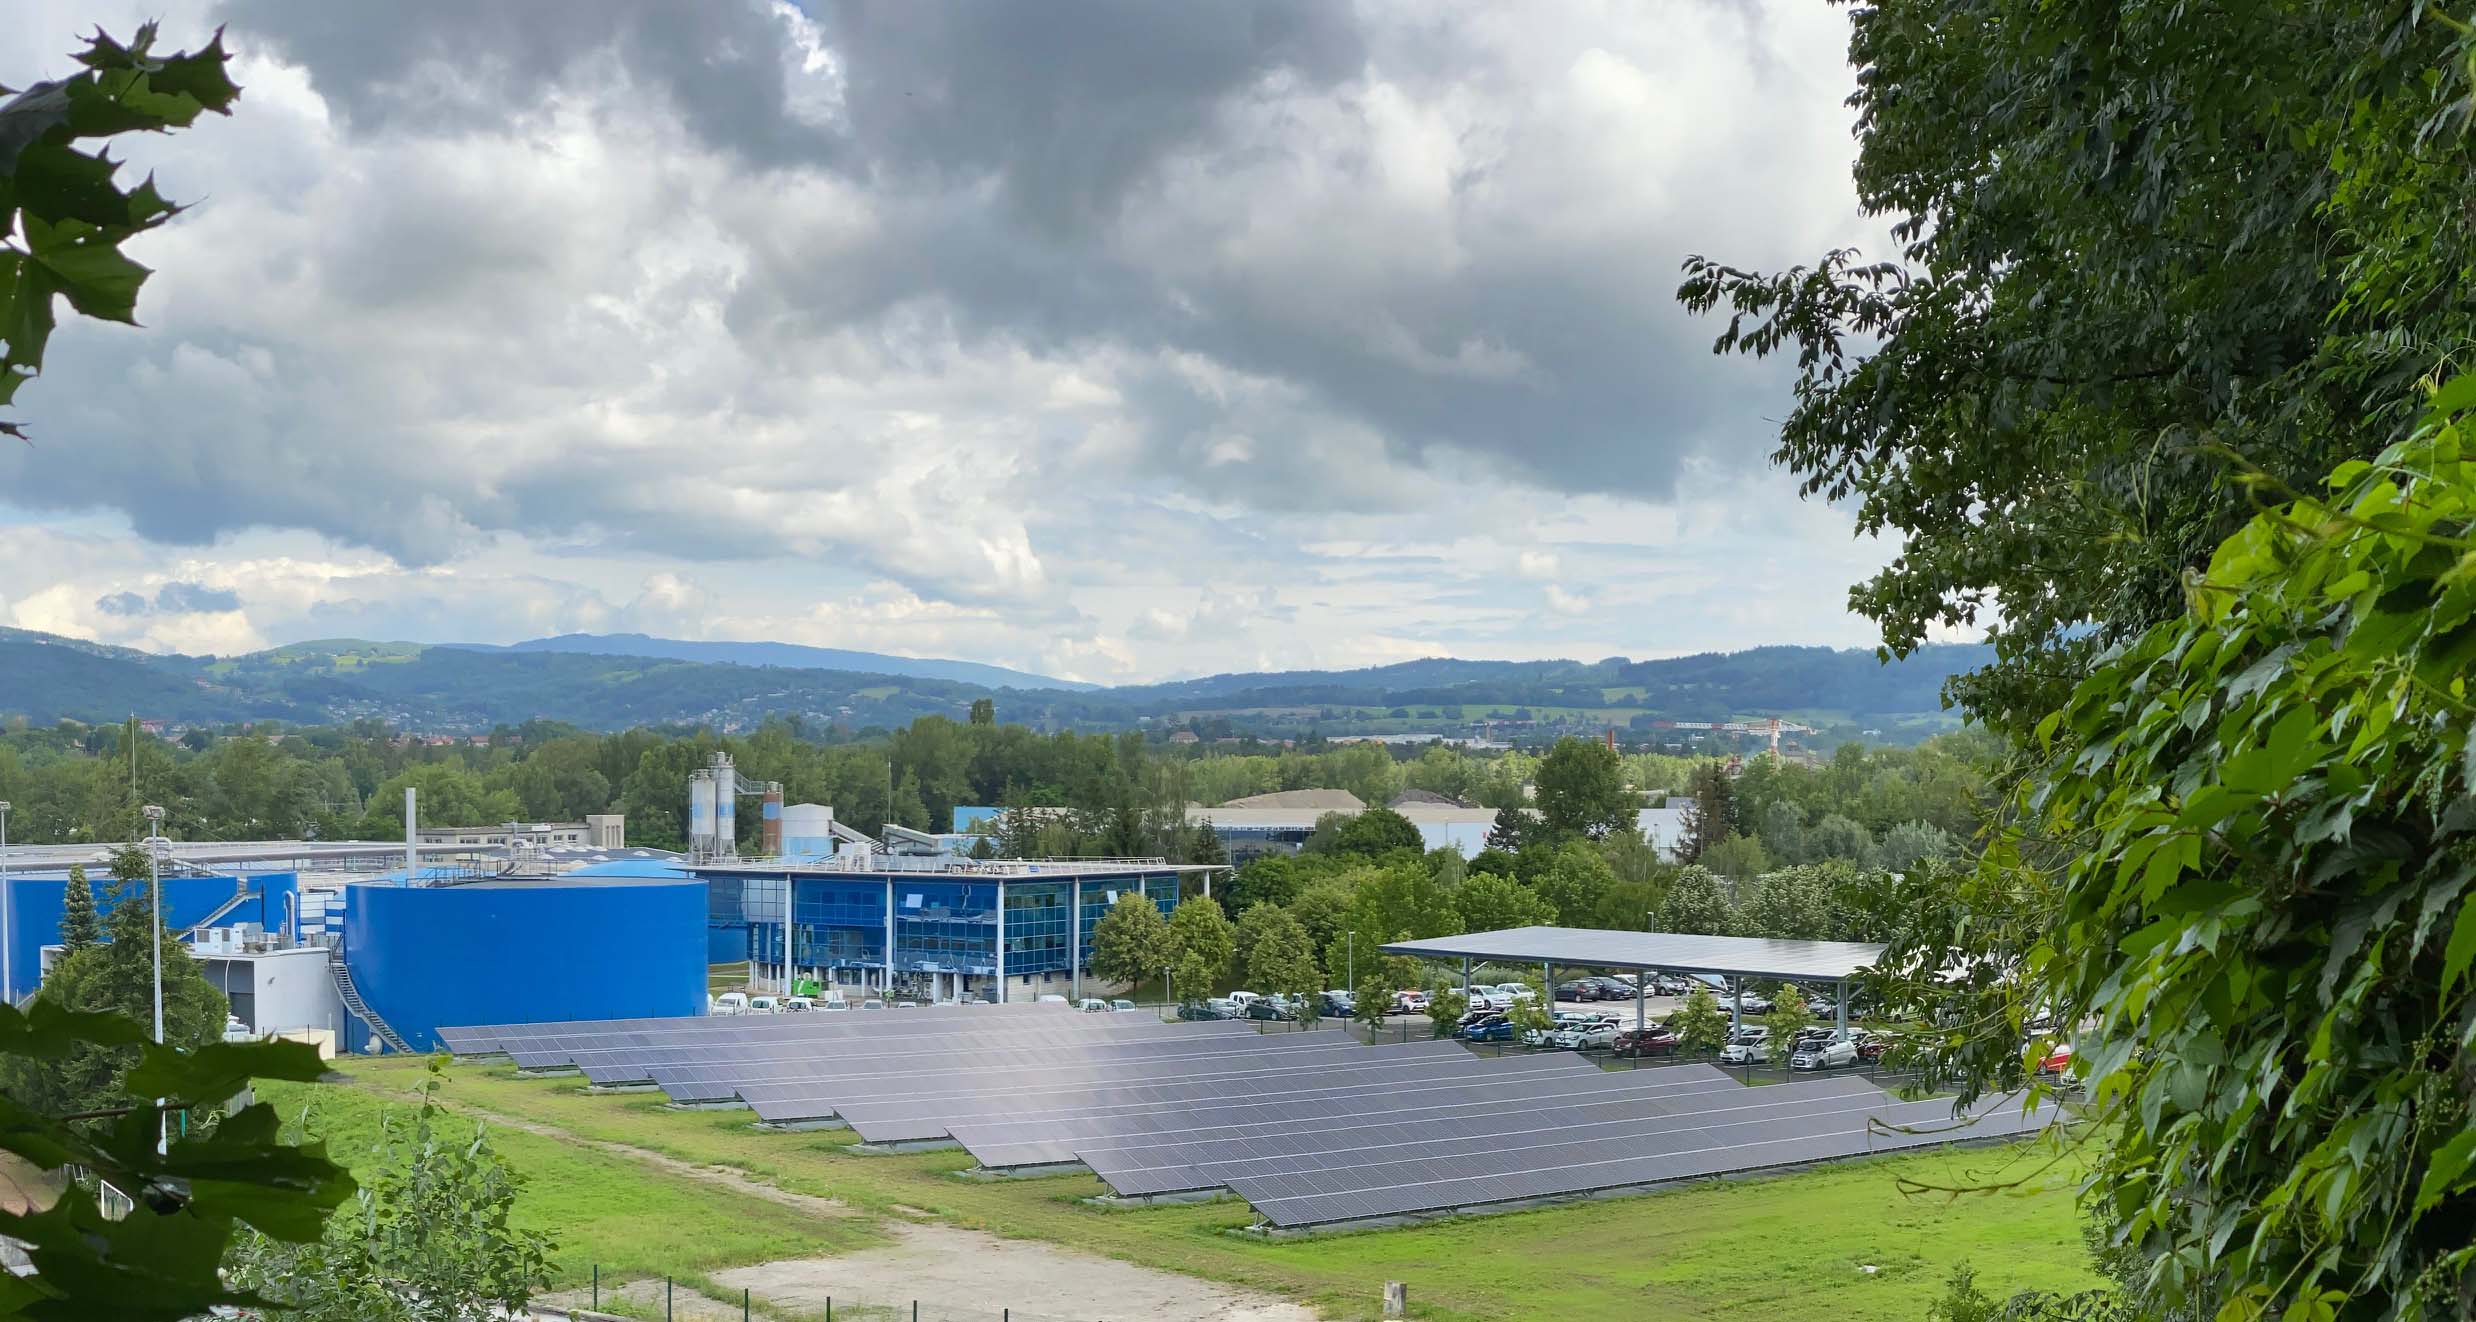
[457, 64]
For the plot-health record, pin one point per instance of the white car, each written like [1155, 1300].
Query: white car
[1745, 1045]
[1052, 1000]
[763, 1005]
[1600, 1036]
[1831, 1053]
[795, 1004]
[236, 1031]
[730, 1003]
[1243, 999]
[1516, 991]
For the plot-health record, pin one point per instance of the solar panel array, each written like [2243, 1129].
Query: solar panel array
[1311, 1126]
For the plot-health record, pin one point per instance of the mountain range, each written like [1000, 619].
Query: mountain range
[616, 681]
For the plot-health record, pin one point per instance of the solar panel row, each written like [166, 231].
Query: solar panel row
[1312, 1127]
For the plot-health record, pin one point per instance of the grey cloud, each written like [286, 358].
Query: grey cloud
[458, 64]
[174, 598]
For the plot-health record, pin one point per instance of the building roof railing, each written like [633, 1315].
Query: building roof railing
[880, 864]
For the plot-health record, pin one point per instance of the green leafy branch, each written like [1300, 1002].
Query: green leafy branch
[161, 1261]
[63, 215]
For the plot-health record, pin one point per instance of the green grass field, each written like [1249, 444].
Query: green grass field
[1790, 1246]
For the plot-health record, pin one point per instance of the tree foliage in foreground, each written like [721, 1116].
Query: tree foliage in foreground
[63, 215]
[2248, 863]
[431, 1238]
[160, 1262]
[2126, 230]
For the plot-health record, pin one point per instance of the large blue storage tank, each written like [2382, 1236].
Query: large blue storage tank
[529, 950]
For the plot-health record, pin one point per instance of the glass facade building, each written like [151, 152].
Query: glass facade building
[922, 932]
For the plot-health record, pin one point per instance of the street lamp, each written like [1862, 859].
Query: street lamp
[154, 882]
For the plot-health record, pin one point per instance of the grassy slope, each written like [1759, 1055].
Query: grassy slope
[1785, 1247]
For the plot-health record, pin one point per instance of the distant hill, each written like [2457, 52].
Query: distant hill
[589, 682]
[790, 655]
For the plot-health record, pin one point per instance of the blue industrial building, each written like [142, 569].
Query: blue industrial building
[35, 902]
[525, 950]
[935, 928]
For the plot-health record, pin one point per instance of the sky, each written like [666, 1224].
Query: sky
[1116, 340]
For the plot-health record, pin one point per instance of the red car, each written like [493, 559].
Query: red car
[1650, 1041]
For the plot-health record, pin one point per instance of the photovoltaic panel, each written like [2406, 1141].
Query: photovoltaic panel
[1342, 1188]
[1015, 1139]
[1146, 1164]
[1613, 1116]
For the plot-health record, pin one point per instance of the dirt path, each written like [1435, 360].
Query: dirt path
[953, 1273]
[970, 1274]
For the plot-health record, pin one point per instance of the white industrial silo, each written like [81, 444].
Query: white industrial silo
[701, 811]
[807, 830]
[726, 800]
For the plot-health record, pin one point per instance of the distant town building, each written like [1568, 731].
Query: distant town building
[607, 830]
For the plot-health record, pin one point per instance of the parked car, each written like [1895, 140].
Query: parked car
[236, 1031]
[1600, 1036]
[1484, 1021]
[1499, 1029]
[1745, 1045]
[763, 1005]
[730, 1003]
[1266, 1009]
[872, 1003]
[1826, 1053]
[1051, 1000]
[795, 1004]
[1093, 1005]
[1244, 999]
[1411, 1001]
[1580, 989]
[1668, 984]
[1871, 1046]
[1338, 1005]
[1747, 1003]
[1649, 1040]
[1121, 1005]
[1516, 991]
[2057, 1059]
[1614, 988]
[1200, 1011]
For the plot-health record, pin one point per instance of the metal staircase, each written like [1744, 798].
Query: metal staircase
[241, 894]
[351, 996]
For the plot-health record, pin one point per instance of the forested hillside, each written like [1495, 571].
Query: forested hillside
[1846, 694]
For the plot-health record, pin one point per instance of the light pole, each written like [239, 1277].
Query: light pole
[154, 882]
[1349, 968]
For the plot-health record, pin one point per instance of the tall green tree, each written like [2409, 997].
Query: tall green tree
[1279, 957]
[1132, 942]
[1492, 902]
[2125, 233]
[80, 925]
[1581, 790]
[1713, 815]
[1697, 904]
[118, 976]
[1202, 943]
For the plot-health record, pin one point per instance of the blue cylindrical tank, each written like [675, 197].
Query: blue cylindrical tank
[530, 950]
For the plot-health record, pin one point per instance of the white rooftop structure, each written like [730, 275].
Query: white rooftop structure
[1666, 952]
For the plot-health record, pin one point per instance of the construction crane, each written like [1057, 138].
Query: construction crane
[1772, 727]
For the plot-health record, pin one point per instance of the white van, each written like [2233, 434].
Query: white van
[731, 1003]
[1243, 999]
[1051, 1000]
[833, 1000]
[764, 1005]
[796, 1004]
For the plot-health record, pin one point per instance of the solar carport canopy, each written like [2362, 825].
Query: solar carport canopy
[1668, 952]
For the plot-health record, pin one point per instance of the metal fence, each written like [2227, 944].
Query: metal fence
[669, 1299]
